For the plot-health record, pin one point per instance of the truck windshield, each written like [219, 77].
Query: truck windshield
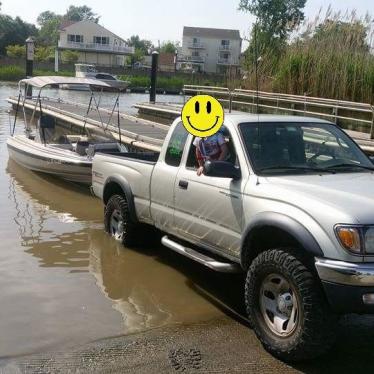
[294, 148]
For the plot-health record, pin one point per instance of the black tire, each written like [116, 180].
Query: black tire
[311, 324]
[117, 206]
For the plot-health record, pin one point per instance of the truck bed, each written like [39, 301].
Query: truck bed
[132, 168]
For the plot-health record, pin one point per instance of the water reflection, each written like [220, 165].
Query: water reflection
[63, 228]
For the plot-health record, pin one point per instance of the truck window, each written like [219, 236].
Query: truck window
[231, 157]
[176, 144]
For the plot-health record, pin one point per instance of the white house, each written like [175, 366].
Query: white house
[95, 44]
[210, 50]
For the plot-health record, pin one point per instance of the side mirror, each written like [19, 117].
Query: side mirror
[221, 169]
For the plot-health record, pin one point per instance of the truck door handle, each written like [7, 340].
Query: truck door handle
[183, 184]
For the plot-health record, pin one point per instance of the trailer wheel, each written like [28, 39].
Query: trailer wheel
[118, 223]
[286, 307]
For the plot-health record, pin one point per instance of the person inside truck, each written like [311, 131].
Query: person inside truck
[212, 148]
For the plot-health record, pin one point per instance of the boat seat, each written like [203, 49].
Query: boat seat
[47, 122]
[47, 125]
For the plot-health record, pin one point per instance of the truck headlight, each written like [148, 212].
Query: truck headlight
[350, 238]
[369, 240]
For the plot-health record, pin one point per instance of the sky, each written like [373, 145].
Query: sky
[160, 20]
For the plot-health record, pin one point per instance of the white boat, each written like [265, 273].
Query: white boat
[68, 156]
[89, 71]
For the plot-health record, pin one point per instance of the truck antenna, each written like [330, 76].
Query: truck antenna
[257, 59]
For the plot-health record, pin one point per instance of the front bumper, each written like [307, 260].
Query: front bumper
[347, 285]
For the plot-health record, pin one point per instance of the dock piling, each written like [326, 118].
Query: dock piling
[29, 63]
[152, 91]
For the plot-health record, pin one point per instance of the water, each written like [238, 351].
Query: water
[64, 282]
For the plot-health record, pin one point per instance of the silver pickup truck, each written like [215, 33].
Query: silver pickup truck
[292, 207]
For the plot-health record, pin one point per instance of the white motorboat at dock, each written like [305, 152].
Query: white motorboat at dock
[44, 149]
[89, 71]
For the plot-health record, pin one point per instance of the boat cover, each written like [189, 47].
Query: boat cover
[41, 82]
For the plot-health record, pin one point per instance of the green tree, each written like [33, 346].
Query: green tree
[275, 17]
[69, 56]
[48, 32]
[169, 47]
[14, 31]
[140, 44]
[275, 20]
[81, 13]
[46, 17]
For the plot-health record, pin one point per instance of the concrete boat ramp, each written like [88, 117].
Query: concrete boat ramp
[136, 132]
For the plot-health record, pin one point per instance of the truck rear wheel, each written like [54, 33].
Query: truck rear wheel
[117, 221]
[286, 307]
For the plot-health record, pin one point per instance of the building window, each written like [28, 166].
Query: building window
[195, 54]
[101, 39]
[225, 44]
[224, 56]
[75, 38]
[196, 41]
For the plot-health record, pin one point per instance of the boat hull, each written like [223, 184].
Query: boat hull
[45, 159]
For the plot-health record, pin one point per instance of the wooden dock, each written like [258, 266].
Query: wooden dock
[166, 111]
[136, 132]
[171, 111]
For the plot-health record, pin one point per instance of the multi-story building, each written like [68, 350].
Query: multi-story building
[94, 43]
[210, 50]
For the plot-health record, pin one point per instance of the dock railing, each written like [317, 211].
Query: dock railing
[355, 116]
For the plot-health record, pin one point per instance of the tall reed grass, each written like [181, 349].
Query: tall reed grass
[328, 61]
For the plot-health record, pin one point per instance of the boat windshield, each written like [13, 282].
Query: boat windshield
[299, 147]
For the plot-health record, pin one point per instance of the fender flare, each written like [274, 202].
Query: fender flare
[285, 223]
[125, 186]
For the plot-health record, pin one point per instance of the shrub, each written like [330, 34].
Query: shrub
[16, 51]
[69, 56]
[45, 54]
[11, 73]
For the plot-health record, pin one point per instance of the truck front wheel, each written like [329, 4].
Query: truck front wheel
[286, 307]
[117, 221]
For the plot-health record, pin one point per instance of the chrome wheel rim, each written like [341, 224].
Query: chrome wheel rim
[279, 305]
[117, 227]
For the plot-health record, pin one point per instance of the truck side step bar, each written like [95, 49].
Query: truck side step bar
[223, 267]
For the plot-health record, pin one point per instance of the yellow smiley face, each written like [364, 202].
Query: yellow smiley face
[202, 115]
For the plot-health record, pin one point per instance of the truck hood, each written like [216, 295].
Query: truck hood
[348, 197]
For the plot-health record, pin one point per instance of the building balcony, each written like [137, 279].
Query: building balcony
[193, 59]
[227, 61]
[226, 48]
[95, 47]
[193, 45]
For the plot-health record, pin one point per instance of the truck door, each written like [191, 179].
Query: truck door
[209, 210]
[163, 179]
